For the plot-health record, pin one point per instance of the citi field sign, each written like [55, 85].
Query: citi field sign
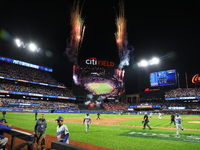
[94, 61]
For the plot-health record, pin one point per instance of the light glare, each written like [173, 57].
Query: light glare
[32, 47]
[145, 63]
[18, 42]
[154, 61]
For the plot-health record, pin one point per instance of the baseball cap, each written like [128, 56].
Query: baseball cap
[60, 118]
[3, 120]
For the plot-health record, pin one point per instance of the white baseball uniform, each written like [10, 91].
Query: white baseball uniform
[87, 121]
[63, 133]
[159, 116]
[151, 114]
[178, 121]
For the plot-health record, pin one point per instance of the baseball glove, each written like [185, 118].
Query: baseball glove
[142, 121]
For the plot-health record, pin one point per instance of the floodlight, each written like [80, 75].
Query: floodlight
[143, 63]
[18, 42]
[154, 61]
[32, 47]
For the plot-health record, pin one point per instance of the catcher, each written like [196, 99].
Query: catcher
[146, 121]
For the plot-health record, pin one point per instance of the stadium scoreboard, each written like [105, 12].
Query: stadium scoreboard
[163, 78]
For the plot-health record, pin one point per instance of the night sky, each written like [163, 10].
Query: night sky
[167, 29]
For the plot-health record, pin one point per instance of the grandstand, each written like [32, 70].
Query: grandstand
[33, 88]
[26, 87]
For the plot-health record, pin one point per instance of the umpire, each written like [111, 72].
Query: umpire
[146, 121]
[98, 116]
[173, 119]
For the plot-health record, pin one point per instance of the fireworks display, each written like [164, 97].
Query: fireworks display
[77, 32]
[78, 29]
[121, 37]
[121, 28]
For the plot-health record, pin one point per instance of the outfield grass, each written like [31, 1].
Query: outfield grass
[100, 88]
[119, 137]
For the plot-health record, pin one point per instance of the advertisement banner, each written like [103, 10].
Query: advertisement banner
[25, 110]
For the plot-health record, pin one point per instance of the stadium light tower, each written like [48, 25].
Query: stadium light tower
[145, 63]
[31, 46]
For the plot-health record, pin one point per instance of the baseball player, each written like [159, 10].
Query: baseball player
[87, 120]
[98, 116]
[36, 114]
[151, 114]
[146, 121]
[159, 116]
[3, 128]
[178, 121]
[62, 131]
[4, 113]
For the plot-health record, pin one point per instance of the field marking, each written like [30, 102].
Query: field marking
[165, 136]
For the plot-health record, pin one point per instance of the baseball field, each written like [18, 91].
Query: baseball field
[120, 132]
[100, 88]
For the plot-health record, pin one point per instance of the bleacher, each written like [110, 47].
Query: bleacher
[22, 83]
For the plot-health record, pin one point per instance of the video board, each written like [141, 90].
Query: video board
[163, 78]
[98, 80]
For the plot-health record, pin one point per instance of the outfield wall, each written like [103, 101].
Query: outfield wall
[54, 111]
[186, 112]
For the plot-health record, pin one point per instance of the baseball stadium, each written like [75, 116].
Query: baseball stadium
[22, 94]
[94, 112]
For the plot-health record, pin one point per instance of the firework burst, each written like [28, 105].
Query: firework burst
[121, 27]
[121, 37]
[77, 32]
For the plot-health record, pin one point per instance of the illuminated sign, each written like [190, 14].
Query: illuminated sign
[26, 64]
[95, 61]
[176, 107]
[148, 89]
[196, 78]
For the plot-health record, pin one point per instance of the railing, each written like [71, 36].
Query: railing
[29, 138]
[55, 145]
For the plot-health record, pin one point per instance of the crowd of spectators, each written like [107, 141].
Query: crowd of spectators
[166, 104]
[32, 88]
[183, 92]
[122, 106]
[25, 73]
[37, 104]
[112, 106]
